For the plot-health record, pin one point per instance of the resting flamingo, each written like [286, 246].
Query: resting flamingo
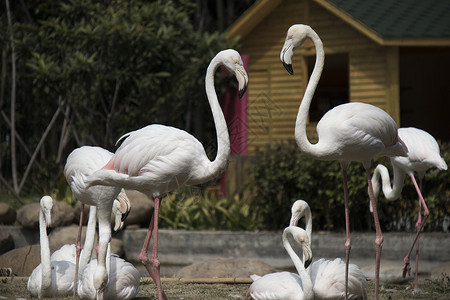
[287, 285]
[50, 278]
[157, 159]
[423, 154]
[80, 163]
[348, 132]
[328, 275]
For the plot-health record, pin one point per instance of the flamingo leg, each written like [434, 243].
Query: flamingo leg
[348, 245]
[78, 251]
[153, 267]
[419, 225]
[378, 234]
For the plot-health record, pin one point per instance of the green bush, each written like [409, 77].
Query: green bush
[190, 209]
[280, 174]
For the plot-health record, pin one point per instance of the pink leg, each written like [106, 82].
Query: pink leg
[348, 245]
[78, 251]
[154, 266]
[419, 225]
[378, 237]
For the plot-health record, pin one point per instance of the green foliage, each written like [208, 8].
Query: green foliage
[115, 65]
[189, 209]
[280, 174]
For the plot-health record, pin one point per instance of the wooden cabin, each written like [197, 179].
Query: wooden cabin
[392, 54]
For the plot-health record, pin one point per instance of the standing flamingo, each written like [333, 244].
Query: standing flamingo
[80, 163]
[287, 285]
[423, 153]
[157, 159]
[348, 132]
[328, 275]
[50, 278]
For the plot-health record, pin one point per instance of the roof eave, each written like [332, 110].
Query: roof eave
[251, 18]
[375, 36]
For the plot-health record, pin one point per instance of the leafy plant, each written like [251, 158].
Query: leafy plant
[280, 174]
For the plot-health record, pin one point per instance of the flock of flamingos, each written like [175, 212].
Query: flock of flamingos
[158, 159]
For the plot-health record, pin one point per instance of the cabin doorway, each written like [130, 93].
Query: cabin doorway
[333, 87]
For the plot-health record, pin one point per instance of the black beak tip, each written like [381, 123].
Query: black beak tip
[124, 216]
[242, 91]
[307, 263]
[288, 68]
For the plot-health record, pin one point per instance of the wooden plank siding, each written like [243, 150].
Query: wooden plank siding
[274, 95]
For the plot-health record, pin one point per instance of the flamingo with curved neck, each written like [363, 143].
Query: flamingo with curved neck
[423, 154]
[50, 278]
[327, 275]
[348, 132]
[157, 159]
[287, 285]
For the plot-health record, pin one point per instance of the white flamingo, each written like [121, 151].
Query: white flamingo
[348, 132]
[328, 276]
[423, 154]
[124, 278]
[68, 251]
[80, 163]
[287, 285]
[157, 159]
[50, 278]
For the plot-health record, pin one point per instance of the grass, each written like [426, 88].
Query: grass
[436, 288]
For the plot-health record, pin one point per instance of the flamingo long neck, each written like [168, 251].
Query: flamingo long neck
[46, 268]
[308, 225]
[306, 279]
[390, 192]
[88, 242]
[223, 139]
[302, 116]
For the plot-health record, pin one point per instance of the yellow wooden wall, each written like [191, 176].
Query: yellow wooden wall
[274, 95]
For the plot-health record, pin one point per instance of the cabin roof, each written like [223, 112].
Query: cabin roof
[387, 22]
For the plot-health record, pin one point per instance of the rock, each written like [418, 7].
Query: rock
[6, 241]
[141, 209]
[22, 261]
[7, 214]
[62, 214]
[28, 215]
[225, 268]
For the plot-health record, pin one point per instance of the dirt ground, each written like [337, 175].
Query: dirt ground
[437, 288]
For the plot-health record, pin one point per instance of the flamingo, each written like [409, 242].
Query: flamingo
[328, 275]
[80, 163]
[423, 154]
[68, 251]
[124, 278]
[348, 132]
[287, 285]
[50, 278]
[157, 159]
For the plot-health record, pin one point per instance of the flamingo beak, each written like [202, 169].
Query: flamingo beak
[307, 253]
[286, 55]
[242, 79]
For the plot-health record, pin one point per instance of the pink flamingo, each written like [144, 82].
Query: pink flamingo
[423, 153]
[157, 159]
[348, 132]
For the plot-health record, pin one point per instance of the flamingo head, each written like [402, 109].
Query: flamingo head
[233, 62]
[46, 208]
[298, 211]
[295, 37]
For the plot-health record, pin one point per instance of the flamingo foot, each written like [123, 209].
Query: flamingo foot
[406, 266]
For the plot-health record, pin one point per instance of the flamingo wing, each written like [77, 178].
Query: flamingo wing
[280, 285]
